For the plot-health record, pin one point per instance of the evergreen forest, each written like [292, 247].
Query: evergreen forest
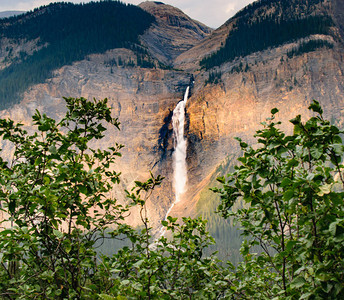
[68, 32]
[263, 33]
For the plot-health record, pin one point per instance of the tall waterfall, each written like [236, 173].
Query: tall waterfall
[179, 154]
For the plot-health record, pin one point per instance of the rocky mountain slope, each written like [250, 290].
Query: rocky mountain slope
[142, 97]
[232, 98]
[173, 33]
[229, 98]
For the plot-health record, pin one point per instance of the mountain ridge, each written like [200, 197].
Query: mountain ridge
[164, 36]
[10, 13]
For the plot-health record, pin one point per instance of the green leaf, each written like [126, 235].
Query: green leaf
[324, 189]
[44, 127]
[293, 163]
[296, 120]
[221, 180]
[298, 282]
[171, 219]
[306, 296]
[38, 161]
[333, 227]
[107, 297]
[46, 180]
[290, 245]
[315, 106]
[67, 245]
[83, 189]
[287, 195]
[52, 149]
[316, 152]
[58, 234]
[12, 206]
[274, 111]
[285, 182]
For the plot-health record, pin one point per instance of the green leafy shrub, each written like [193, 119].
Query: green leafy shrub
[293, 189]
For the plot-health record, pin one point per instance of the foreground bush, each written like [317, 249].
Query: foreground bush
[292, 187]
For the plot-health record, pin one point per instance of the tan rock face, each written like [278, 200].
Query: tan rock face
[241, 100]
[143, 100]
[238, 105]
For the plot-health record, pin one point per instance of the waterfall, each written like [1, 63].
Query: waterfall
[179, 154]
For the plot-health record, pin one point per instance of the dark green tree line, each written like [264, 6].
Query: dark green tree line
[309, 46]
[247, 38]
[71, 32]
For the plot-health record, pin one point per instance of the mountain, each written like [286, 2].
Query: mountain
[60, 34]
[270, 54]
[10, 13]
[235, 92]
[142, 90]
[264, 68]
[173, 33]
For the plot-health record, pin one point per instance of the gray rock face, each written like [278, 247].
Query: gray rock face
[173, 33]
[12, 50]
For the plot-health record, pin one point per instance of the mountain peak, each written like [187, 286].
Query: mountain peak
[268, 24]
[173, 33]
[173, 16]
[10, 13]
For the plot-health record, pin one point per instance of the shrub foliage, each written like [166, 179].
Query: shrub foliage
[292, 186]
[57, 209]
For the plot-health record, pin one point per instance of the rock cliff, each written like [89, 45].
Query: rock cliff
[248, 87]
[142, 98]
[245, 90]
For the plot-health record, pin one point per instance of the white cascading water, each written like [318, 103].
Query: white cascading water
[179, 154]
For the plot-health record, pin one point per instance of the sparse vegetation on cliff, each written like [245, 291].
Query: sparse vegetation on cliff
[309, 46]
